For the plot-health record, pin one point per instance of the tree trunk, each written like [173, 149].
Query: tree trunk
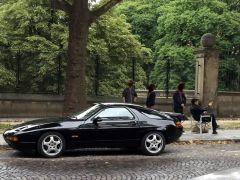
[75, 85]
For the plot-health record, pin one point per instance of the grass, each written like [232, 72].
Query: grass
[4, 127]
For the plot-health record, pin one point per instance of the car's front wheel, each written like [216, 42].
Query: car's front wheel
[153, 143]
[51, 144]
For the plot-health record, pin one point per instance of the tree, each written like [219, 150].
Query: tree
[180, 27]
[80, 19]
[143, 15]
[31, 36]
[173, 29]
[35, 36]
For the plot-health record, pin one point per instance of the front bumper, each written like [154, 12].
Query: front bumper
[19, 145]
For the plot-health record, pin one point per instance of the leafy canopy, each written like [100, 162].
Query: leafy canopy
[34, 34]
[173, 29]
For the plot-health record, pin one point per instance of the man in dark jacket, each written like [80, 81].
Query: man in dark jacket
[197, 110]
[151, 96]
[179, 99]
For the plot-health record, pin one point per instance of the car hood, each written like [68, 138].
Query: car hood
[39, 124]
[42, 121]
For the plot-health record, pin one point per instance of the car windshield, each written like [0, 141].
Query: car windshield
[87, 112]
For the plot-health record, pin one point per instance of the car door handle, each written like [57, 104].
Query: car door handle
[133, 123]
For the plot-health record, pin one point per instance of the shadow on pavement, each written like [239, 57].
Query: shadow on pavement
[85, 152]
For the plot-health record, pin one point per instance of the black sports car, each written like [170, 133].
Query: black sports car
[101, 125]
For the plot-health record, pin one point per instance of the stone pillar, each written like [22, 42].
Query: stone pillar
[206, 84]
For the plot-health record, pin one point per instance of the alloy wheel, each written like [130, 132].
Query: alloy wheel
[154, 143]
[52, 145]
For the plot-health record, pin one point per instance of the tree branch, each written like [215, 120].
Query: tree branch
[62, 5]
[103, 9]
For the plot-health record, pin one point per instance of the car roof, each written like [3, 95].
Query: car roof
[122, 104]
[135, 106]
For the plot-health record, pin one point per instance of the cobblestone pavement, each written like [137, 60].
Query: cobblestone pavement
[177, 162]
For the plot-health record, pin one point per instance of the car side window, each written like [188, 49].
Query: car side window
[116, 113]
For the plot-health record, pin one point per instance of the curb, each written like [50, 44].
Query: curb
[201, 141]
[5, 147]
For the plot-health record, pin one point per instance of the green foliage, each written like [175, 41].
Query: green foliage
[170, 29]
[36, 36]
[29, 35]
[143, 15]
[111, 41]
[177, 29]
[181, 67]
[229, 73]
[7, 78]
[4, 127]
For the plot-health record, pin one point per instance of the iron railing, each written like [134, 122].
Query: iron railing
[229, 71]
[43, 72]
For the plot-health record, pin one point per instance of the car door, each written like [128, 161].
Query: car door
[116, 126]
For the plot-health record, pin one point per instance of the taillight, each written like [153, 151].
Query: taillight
[178, 123]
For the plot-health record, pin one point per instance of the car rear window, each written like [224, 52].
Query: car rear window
[151, 114]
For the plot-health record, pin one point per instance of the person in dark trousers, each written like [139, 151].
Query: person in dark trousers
[150, 102]
[129, 94]
[179, 99]
[197, 110]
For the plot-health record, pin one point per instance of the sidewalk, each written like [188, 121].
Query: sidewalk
[2, 142]
[223, 135]
[188, 137]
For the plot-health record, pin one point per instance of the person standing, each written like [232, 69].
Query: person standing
[179, 99]
[150, 102]
[129, 94]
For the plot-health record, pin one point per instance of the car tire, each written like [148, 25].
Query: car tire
[51, 144]
[153, 143]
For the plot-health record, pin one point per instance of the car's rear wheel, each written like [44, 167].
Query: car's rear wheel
[51, 144]
[153, 143]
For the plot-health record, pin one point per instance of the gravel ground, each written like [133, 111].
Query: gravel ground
[177, 162]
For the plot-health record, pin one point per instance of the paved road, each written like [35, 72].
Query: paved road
[177, 162]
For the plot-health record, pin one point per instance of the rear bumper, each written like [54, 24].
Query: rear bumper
[172, 137]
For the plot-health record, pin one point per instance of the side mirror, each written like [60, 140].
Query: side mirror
[96, 120]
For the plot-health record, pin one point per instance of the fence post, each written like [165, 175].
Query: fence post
[59, 72]
[133, 68]
[97, 68]
[167, 76]
[18, 70]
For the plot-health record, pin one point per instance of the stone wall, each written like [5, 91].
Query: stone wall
[228, 104]
[30, 105]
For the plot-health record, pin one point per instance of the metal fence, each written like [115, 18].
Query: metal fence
[102, 72]
[43, 72]
[229, 71]
[38, 72]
